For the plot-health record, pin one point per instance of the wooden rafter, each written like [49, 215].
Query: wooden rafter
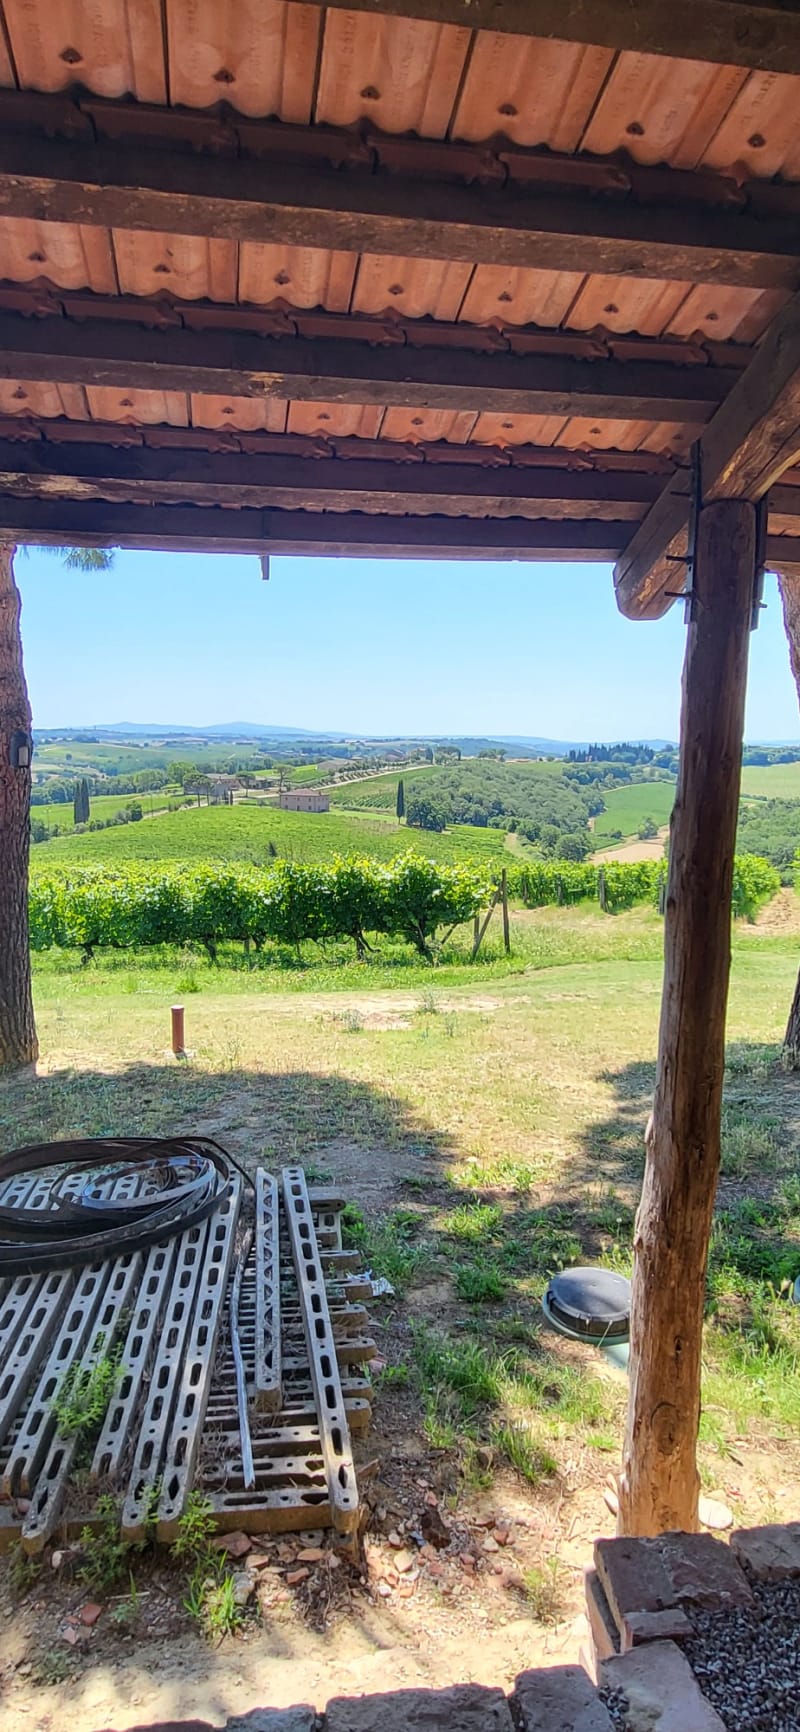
[750, 442]
[763, 34]
[215, 529]
[123, 184]
[218, 529]
[94, 468]
[240, 364]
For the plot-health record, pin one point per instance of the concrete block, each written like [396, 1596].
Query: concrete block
[669, 1626]
[563, 1699]
[703, 1571]
[605, 1635]
[633, 1577]
[462, 1708]
[661, 1689]
[771, 1552]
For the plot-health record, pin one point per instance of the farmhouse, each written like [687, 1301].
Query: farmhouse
[303, 800]
[414, 278]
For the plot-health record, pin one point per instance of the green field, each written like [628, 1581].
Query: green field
[102, 806]
[245, 832]
[772, 781]
[628, 806]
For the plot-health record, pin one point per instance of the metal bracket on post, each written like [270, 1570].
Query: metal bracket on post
[687, 594]
[762, 513]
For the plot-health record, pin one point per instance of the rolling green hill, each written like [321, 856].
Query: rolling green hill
[245, 833]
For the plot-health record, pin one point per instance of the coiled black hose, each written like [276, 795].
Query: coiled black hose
[189, 1177]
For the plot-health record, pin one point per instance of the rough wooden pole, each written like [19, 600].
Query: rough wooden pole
[789, 585]
[18, 1043]
[659, 1483]
[506, 926]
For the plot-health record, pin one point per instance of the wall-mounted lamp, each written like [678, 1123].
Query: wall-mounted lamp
[20, 750]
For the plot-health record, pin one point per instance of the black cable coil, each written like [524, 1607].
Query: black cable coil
[185, 1180]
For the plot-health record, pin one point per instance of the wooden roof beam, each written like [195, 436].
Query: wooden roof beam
[762, 34]
[751, 441]
[138, 474]
[40, 468]
[215, 529]
[128, 184]
[241, 364]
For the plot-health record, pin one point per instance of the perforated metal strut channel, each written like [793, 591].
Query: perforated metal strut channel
[267, 1390]
[183, 1443]
[114, 1440]
[122, 1278]
[334, 1432]
[138, 1512]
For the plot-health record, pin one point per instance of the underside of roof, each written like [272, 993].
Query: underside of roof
[372, 281]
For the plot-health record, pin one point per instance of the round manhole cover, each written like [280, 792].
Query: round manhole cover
[589, 1304]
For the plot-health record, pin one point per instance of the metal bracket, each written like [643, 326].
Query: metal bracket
[762, 512]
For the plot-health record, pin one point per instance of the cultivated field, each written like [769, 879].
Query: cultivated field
[772, 781]
[628, 806]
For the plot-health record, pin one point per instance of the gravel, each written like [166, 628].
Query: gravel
[746, 1661]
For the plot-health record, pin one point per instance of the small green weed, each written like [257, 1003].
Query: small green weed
[472, 1221]
[394, 1377]
[127, 1610]
[196, 1529]
[544, 1590]
[53, 1667]
[81, 1401]
[23, 1571]
[530, 1458]
[104, 1554]
[480, 1283]
[189, 983]
[386, 1247]
[212, 1603]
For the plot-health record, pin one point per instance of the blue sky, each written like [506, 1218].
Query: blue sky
[368, 646]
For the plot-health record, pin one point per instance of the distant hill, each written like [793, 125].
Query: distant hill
[525, 745]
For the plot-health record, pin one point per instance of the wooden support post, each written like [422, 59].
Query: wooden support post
[504, 895]
[659, 1483]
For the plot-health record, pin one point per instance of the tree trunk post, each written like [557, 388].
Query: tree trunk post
[18, 1043]
[789, 586]
[506, 926]
[659, 1484]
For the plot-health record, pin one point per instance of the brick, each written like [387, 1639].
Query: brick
[633, 1577]
[662, 1692]
[463, 1708]
[771, 1552]
[702, 1571]
[301, 1719]
[562, 1699]
[605, 1635]
[669, 1626]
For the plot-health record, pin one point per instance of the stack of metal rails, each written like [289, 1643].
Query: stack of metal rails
[242, 1344]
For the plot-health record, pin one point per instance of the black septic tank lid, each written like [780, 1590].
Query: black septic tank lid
[589, 1304]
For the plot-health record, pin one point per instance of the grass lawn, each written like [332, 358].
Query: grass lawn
[629, 805]
[486, 1122]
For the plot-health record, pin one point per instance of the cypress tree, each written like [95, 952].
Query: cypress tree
[401, 799]
[76, 804]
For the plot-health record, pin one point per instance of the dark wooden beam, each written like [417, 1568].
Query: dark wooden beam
[214, 529]
[750, 442]
[407, 214]
[240, 364]
[762, 34]
[41, 469]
